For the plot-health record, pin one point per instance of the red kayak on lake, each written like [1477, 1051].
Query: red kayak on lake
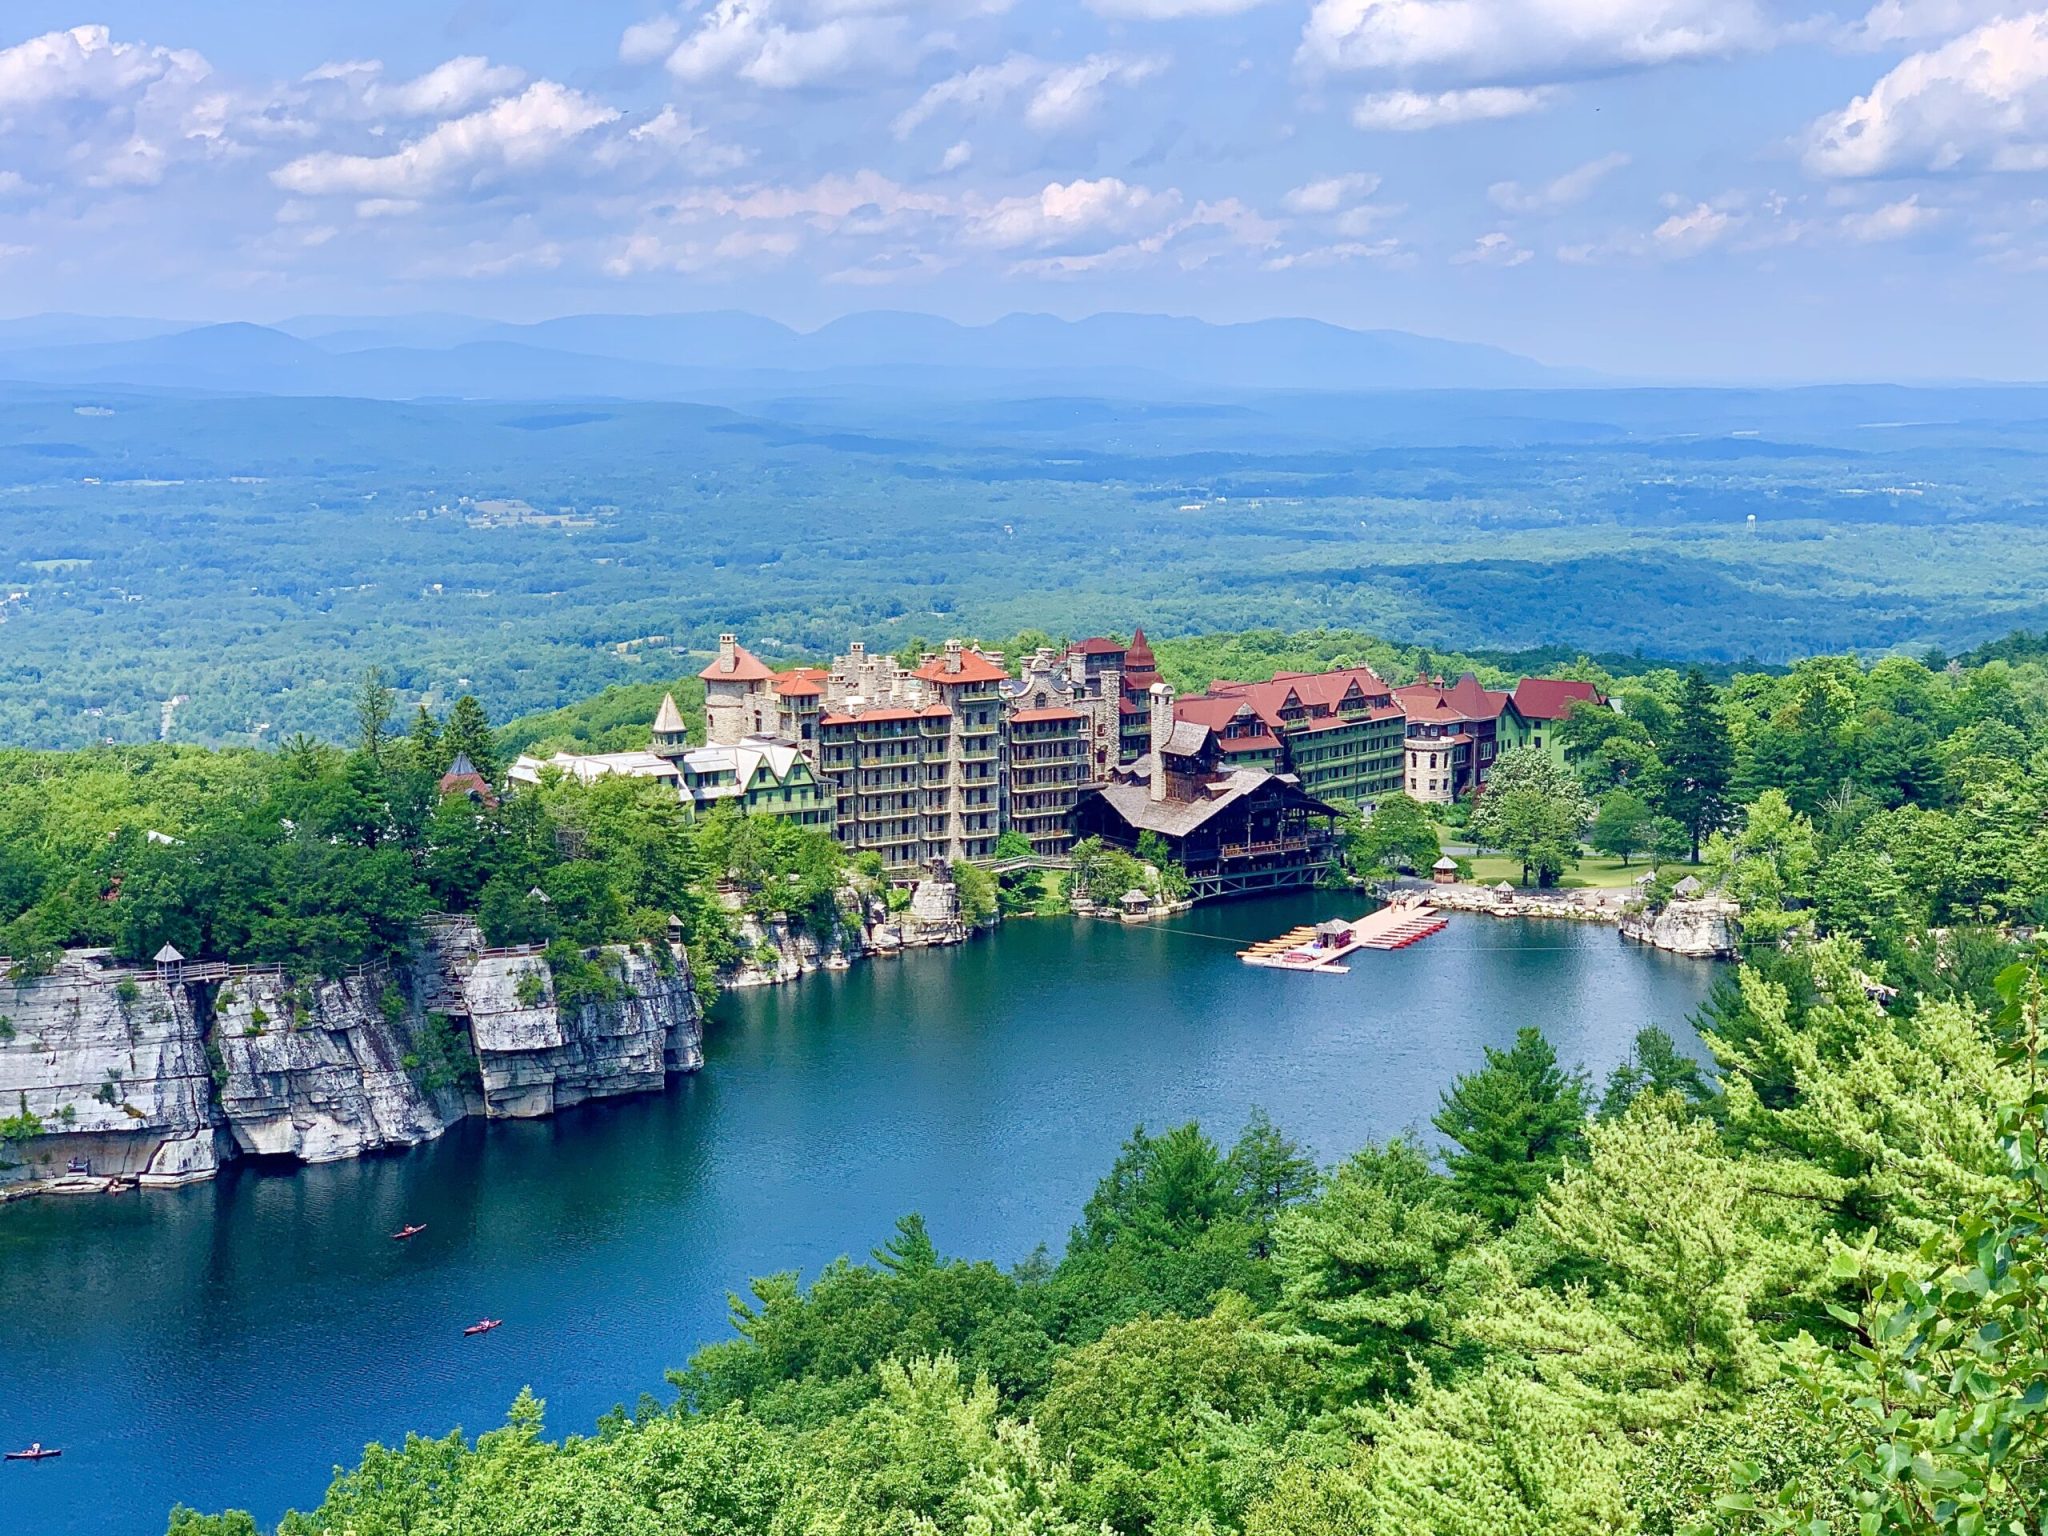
[408, 1231]
[483, 1327]
[36, 1452]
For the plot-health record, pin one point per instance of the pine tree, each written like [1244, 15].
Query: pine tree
[911, 1252]
[1515, 1122]
[468, 732]
[374, 704]
[425, 738]
[1699, 762]
[1655, 1065]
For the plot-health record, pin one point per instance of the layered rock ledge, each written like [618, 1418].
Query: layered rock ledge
[132, 1075]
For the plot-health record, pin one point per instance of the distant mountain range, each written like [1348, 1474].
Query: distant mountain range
[726, 353]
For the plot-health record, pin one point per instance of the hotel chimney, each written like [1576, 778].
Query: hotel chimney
[1162, 728]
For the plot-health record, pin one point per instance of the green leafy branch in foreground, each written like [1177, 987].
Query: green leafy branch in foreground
[1940, 1402]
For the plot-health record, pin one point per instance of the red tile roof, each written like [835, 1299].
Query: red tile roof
[801, 682]
[1048, 714]
[1551, 698]
[974, 668]
[746, 668]
[1462, 700]
[1319, 692]
[1095, 645]
[871, 716]
[1259, 743]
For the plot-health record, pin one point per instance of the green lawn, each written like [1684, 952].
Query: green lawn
[1595, 871]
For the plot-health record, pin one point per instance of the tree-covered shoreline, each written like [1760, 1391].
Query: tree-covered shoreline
[1807, 1286]
[1799, 1288]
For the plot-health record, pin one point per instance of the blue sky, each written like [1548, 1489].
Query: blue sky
[1661, 188]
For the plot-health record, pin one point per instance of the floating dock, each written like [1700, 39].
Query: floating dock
[1324, 947]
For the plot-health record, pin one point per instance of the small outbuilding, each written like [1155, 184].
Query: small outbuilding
[1504, 892]
[170, 965]
[1444, 871]
[1136, 903]
[1687, 888]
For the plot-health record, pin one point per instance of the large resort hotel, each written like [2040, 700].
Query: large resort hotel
[929, 764]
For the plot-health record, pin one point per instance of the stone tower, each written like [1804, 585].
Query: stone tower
[1162, 729]
[737, 697]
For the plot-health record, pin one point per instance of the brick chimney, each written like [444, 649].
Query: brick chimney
[728, 651]
[952, 655]
[1162, 728]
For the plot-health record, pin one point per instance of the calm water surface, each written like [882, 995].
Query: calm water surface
[227, 1344]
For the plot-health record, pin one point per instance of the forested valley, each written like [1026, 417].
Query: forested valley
[221, 570]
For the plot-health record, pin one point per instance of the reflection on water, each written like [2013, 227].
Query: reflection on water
[228, 1343]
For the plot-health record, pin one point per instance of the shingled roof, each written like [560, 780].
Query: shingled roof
[1180, 817]
[746, 668]
[1551, 698]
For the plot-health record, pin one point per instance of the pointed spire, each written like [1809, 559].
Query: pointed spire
[461, 768]
[668, 720]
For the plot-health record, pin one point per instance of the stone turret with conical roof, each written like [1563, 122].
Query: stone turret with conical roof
[737, 698]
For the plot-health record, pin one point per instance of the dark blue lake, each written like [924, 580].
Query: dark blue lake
[229, 1343]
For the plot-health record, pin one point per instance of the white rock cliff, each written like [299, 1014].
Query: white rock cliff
[158, 1079]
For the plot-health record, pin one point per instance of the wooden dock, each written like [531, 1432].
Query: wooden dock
[1311, 949]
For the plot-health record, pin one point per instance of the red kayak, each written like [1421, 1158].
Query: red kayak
[483, 1327]
[36, 1452]
[404, 1232]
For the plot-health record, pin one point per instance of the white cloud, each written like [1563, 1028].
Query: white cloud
[1071, 94]
[970, 92]
[664, 141]
[518, 133]
[12, 183]
[1979, 102]
[1191, 240]
[1912, 21]
[449, 87]
[1331, 193]
[1493, 250]
[646, 41]
[1892, 221]
[86, 64]
[1064, 211]
[957, 156]
[1412, 111]
[1388, 251]
[1568, 190]
[750, 40]
[1061, 96]
[1691, 231]
[1519, 40]
[446, 88]
[864, 203]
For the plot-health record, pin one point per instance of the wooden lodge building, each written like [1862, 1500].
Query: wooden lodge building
[1236, 831]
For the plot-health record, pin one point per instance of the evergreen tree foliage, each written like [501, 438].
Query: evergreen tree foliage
[467, 732]
[1699, 762]
[1514, 1123]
